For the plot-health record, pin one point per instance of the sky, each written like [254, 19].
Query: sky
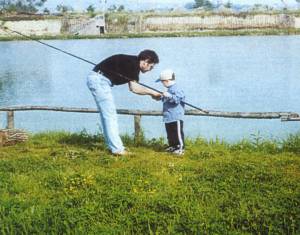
[133, 4]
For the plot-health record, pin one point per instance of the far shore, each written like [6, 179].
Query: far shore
[207, 33]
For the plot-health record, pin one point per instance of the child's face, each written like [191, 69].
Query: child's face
[166, 83]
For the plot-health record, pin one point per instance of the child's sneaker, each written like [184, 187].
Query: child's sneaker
[169, 149]
[178, 152]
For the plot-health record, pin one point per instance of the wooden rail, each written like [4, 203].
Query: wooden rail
[284, 116]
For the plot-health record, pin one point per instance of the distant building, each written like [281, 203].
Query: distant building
[93, 26]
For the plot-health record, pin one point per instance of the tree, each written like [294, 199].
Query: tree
[103, 5]
[63, 8]
[46, 11]
[228, 4]
[206, 4]
[2, 5]
[189, 5]
[121, 8]
[284, 5]
[91, 10]
[112, 8]
[257, 6]
[30, 6]
[199, 3]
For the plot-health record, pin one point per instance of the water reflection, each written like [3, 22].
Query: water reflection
[25, 76]
[14, 91]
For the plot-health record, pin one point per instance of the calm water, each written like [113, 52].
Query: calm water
[217, 73]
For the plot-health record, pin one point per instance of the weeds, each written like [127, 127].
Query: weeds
[68, 183]
[208, 33]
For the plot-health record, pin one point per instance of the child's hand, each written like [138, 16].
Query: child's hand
[167, 94]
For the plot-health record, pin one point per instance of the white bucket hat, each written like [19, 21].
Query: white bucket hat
[166, 74]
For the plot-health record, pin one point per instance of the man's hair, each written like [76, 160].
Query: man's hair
[149, 55]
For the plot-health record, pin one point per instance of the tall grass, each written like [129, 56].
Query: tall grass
[68, 183]
[207, 33]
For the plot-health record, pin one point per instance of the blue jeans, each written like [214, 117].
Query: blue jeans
[100, 87]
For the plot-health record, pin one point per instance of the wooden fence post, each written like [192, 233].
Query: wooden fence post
[137, 126]
[10, 120]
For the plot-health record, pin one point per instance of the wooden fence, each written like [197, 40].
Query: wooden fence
[283, 116]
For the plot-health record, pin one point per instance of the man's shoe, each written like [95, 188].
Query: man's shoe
[121, 153]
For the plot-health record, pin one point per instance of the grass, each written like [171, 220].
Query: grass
[68, 183]
[204, 33]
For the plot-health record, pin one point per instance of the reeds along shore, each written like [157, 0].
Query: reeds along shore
[164, 34]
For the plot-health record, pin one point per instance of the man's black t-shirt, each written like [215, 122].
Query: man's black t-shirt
[120, 69]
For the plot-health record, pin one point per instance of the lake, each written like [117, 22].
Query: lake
[249, 73]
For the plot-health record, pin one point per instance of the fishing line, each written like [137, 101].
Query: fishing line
[92, 63]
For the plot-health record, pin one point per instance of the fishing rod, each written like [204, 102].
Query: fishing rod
[46, 44]
[92, 63]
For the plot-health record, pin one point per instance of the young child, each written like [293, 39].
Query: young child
[173, 112]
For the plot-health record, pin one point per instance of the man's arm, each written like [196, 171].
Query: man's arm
[140, 90]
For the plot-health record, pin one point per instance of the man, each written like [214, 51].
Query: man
[117, 70]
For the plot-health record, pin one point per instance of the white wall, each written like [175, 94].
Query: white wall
[297, 22]
[33, 27]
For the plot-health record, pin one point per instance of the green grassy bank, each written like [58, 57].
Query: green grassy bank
[62, 183]
[212, 33]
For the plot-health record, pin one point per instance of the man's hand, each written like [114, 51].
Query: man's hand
[156, 96]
